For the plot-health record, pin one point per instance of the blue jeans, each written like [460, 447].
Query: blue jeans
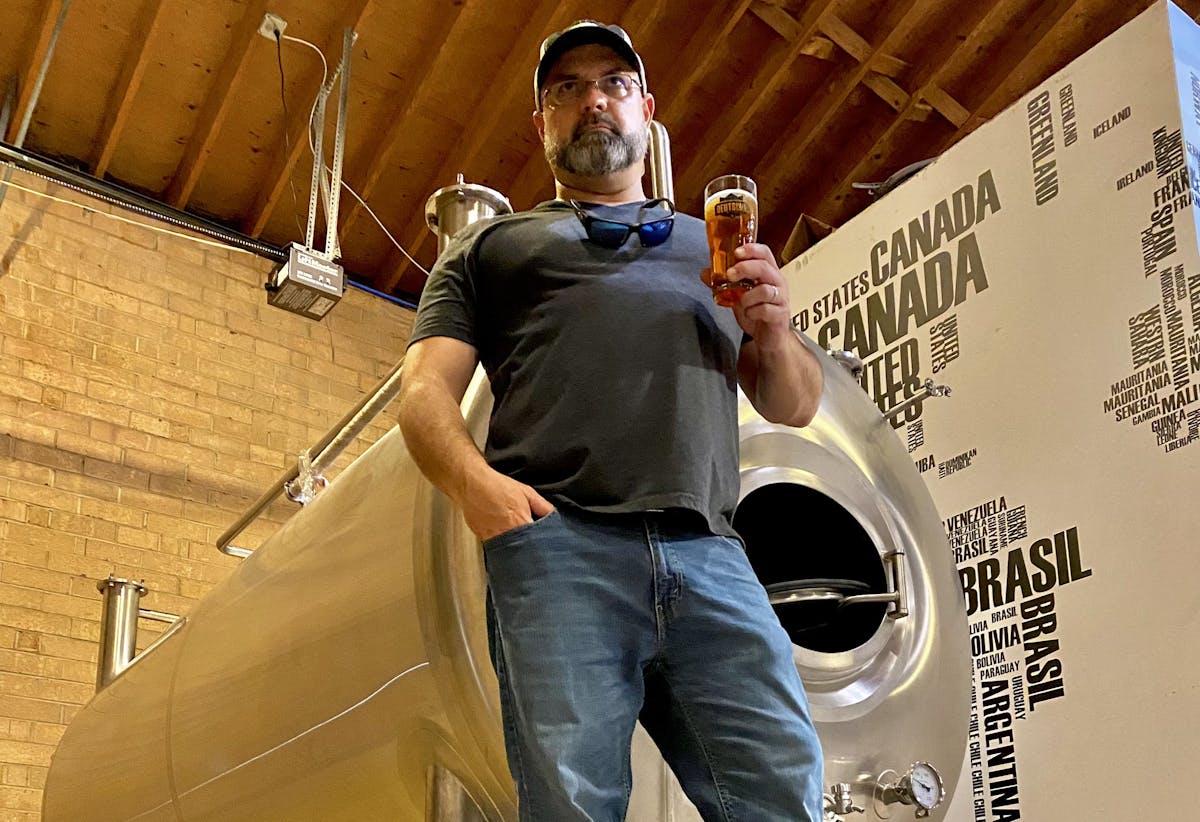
[596, 621]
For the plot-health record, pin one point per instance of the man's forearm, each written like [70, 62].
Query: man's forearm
[785, 383]
[438, 439]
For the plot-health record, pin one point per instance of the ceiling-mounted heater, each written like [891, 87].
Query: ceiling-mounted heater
[309, 282]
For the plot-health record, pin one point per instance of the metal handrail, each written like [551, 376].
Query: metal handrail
[327, 449]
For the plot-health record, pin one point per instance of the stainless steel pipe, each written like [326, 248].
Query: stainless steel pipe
[662, 177]
[118, 627]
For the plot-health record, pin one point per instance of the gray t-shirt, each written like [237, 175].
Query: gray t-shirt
[614, 372]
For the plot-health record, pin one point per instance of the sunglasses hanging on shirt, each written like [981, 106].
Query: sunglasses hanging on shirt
[614, 233]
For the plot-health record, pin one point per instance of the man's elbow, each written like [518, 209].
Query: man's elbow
[804, 417]
[807, 403]
[408, 403]
[799, 417]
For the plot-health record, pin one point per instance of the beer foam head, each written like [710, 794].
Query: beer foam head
[583, 33]
[730, 195]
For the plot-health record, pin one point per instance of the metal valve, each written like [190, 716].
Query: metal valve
[928, 390]
[839, 802]
[308, 482]
[848, 360]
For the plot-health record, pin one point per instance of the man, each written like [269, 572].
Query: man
[618, 588]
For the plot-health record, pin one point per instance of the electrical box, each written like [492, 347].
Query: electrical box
[306, 284]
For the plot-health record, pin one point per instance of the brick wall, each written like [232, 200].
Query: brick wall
[148, 395]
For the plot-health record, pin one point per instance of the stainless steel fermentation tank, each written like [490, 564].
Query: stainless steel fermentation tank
[342, 673]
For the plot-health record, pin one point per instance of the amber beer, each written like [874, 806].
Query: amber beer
[731, 216]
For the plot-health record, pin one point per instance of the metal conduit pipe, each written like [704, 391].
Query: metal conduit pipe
[113, 194]
[41, 75]
[27, 118]
[125, 198]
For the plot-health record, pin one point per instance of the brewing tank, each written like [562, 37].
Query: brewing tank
[341, 672]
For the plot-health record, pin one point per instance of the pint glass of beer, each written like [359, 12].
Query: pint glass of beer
[731, 215]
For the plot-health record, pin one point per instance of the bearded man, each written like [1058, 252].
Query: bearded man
[618, 588]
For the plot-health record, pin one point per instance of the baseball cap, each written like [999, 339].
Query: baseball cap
[582, 33]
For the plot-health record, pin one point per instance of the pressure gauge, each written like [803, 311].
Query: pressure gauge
[923, 786]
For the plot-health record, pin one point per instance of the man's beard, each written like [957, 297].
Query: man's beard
[597, 153]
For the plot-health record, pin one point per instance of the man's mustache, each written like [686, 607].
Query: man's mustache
[598, 118]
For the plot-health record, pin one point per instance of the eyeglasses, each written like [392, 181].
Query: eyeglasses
[613, 233]
[565, 92]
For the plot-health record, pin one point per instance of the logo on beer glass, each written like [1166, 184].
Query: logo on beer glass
[731, 218]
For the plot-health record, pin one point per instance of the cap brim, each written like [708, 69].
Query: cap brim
[584, 36]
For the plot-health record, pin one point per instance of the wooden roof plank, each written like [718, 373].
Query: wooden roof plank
[127, 88]
[37, 55]
[217, 106]
[890, 66]
[281, 173]
[680, 80]
[414, 97]
[786, 26]
[821, 47]
[848, 40]
[1032, 35]
[549, 15]
[531, 180]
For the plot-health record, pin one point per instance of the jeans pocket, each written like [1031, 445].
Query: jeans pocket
[514, 535]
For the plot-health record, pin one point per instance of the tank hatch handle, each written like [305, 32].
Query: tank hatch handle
[840, 592]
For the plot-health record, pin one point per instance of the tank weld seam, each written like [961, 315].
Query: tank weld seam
[300, 735]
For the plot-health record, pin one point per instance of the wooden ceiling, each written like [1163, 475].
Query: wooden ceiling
[181, 100]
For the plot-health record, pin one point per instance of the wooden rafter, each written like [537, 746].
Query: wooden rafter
[813, 120]
[127, 88]
[549, 15]
[886, 89]
[884, 68]
[414, 96]
[786, 26]
[945, 105]
[724, 132]
[990, 19]
[277, 179]
[37, 56]
[532, 179]
[217, 106]
[819, 48]
[1033, 37]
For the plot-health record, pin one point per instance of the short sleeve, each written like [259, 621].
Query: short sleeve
[448, 301]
